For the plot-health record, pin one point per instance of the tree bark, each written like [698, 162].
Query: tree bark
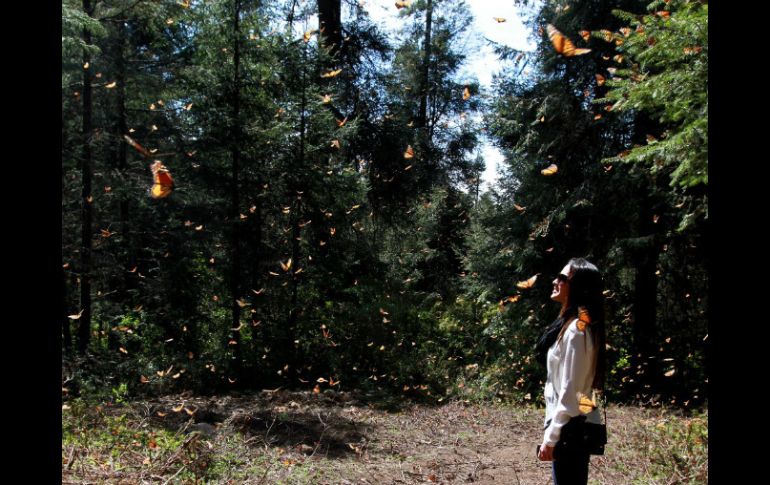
[428, 171]
[646, 281]
[295, 233]
[121, 129]
[256, 279]
[424, 80]
[330, 25]
[330, 38]
[235, 286]
[84, 329]
[66, 335]
[66, 330]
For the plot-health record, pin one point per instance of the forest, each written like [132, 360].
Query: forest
[267, 202]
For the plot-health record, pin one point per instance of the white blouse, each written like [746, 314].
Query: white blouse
[571, 366]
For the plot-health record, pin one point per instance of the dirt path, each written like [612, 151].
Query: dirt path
[301, 438]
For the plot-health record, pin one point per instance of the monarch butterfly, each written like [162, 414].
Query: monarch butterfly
[162, 183]
[550, 170]
[562, 44]
[584, 318]
[524, 285]
[600, 80]
[585, 403]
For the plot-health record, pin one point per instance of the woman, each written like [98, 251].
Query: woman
[575, 363]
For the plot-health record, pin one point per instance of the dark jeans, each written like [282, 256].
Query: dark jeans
[571, 470]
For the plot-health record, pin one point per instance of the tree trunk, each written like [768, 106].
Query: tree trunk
[65, 310]
[121, 129]
[329, 22]
[645, 309]
[294, 189]
[428, 171]
[330, 26]
[290, 18]
[66, 335]
[84, 330]
[256, 279]
[295, 310]
[235, 287]
[122, 155]
[424, 79]
[646, 282]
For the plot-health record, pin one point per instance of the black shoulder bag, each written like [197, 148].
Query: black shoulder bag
[579, 437]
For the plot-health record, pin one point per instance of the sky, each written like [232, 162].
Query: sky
[482, 62]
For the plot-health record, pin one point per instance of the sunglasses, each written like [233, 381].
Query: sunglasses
[562, 278]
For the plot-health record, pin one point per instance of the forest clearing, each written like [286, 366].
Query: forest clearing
[369, 241]
[280, 437]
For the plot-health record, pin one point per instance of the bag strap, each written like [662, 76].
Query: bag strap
[604, 407]
[601, 401]
[603, 396]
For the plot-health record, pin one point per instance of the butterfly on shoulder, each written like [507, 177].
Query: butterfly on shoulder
[562, 44]
[162, 183]
[584, 319]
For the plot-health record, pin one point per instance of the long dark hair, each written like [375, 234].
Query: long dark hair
[585, 292]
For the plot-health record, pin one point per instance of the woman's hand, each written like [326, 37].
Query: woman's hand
[546, 453]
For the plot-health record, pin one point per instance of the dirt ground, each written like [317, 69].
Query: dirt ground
[343, 438]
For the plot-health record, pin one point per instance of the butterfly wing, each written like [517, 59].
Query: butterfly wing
[163, 184]
[557, 38]
[600, 80]
[585, 404]
[159, 191]
[550, 170]
[579, 52]
[562, 44]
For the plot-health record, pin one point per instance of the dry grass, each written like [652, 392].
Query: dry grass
[341, 438]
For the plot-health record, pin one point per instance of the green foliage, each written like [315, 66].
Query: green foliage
[665, 74]
[120, 393]
[74, 21]
[85, 423]
[690, 452]
[638, 231]
[403, 275]
[675, 446]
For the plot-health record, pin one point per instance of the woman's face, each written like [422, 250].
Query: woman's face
[561, 286]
